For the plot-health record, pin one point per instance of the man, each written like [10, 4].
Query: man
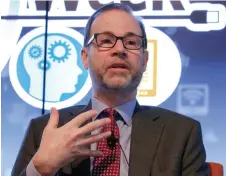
[133, 140]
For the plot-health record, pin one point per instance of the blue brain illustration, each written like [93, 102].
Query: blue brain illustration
[35, 51]
[56, 47]
[41, 65]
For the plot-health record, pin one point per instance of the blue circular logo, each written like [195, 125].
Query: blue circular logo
[66, 81]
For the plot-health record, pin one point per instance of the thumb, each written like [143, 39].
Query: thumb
[54, 118]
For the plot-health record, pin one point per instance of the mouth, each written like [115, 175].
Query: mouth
[118, 66]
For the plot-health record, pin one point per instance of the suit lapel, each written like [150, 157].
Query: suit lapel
[73, 112]
[145, 138]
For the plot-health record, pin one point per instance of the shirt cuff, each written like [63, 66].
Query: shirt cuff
[31, 170]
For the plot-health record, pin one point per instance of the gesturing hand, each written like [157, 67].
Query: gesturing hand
[60, 146]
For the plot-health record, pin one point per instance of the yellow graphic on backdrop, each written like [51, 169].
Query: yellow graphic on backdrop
[148, 85]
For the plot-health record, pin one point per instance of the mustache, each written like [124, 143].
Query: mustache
[119, 55]
[119, 59]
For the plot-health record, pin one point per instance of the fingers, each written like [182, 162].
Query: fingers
[92, 153]
[88, 128]
[92, 139]
[87, 153]
[81, 118]
[54, 118]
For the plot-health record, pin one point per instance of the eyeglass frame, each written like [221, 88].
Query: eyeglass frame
[95, 35]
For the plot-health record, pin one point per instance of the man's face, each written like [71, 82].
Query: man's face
[115, 68]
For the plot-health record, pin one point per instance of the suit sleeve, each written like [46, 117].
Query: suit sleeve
[194, 158]
[26, 152]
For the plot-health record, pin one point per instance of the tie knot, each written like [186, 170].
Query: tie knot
[111, 112]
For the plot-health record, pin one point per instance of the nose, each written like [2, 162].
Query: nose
[119, 47]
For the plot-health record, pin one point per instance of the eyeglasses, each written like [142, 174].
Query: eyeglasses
[108, 40]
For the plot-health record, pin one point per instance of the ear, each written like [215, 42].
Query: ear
[84, 54]
[146, 56]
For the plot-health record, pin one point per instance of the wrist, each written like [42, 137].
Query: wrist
[43, 167]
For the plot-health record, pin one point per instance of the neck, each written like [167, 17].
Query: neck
[113, 98]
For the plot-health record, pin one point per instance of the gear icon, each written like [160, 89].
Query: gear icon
[41, 65]
[59, 51]
[35, 51]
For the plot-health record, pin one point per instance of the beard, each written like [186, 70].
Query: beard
[120, 81]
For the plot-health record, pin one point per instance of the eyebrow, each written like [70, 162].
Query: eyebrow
[131, 33]
[126, 34]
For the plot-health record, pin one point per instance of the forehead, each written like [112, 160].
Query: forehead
[116, 21]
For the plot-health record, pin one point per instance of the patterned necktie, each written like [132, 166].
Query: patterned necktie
[109, 163]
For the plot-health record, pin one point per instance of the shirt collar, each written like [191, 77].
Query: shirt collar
[125, 110]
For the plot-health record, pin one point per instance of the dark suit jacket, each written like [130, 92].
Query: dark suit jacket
[163, 143]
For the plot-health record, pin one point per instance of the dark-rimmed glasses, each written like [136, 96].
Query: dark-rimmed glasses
[108, 40]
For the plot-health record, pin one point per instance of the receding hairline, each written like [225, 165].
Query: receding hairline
[137, 19]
